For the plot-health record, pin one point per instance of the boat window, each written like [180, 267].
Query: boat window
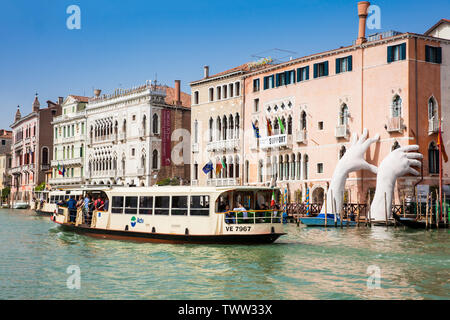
[179, 206]
[162, 205]
[131, 205]
[199, 206]
[145, 205]
[52, 199]
[117, 205]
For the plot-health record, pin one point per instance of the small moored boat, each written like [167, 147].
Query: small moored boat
[180, 215]
[418, 224]
[320, 221]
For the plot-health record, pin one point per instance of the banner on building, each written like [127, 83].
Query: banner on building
[165, 138]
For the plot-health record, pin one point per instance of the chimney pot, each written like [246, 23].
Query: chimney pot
[97, 92]
[363, 6]
[206, 71]
[60, 100]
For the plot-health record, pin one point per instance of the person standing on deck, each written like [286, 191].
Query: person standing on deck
[242, 208]
[72, 206]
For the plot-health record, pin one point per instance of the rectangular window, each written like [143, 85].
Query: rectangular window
[256, 85]
[433, 54]
[281, 79]
[179, 205]
[211, 94]
[82, 128]
[219, 93]
[303, 74]
[290, 77]
[231, 90]
[145, 205]
[131, 205]
[344, 64]
[321, 69]
[237, 88]
[117, 205]
[196, 97]
[256, 105]
[199, 206]
[320, 168]
[396, 53]
[162, 205]
[269, 82]
[320, 125]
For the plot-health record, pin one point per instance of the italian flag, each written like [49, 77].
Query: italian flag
[272, 203]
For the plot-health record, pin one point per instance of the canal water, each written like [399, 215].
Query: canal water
[308, 263]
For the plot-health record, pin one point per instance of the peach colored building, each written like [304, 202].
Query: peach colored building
[395, 84]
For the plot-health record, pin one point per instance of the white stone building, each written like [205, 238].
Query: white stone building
[125, 135]
[69, 146]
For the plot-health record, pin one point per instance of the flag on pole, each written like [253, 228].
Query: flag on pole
[256, 130]
[281, 125]
[272, 203]
[269, 127]
[208, 167]
[218, 168]
[59, 170]
[64, 171]
[441, 144]
[307, 201]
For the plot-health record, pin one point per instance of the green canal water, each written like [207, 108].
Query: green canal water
[307, 263]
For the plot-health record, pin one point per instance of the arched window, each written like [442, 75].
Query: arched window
[395, 146]
[283, 121]
[342, 152]
[289, 125]
[306, 167]
[396, 107]
[433, 159]
[155, 124]
[299, 170]
[231, 127]
[343, 116]
[432, 109]
[155, 160]
[144, 124]
[211, 128]
[45, 155]
[247, 171]
[276, 127]
[224, 128]
[237, 168]
[196, 171]
[280, 168]
[81, 150]
[219, 129]
[303, 120]
[260, 171]
[237, 125]
[195, 131]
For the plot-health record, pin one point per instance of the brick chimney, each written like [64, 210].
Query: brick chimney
[363, 6]
[177, 93]
[60, 100]
[206, 71]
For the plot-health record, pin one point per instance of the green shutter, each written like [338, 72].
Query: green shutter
[389, 54]
[298, 75]
[338, 65]
[287, 78]
[277, 83]
[315, 70]
[307, 73]
[403, 51]
[350, 63]
[326, 68]
[439, 55]
[266, 83]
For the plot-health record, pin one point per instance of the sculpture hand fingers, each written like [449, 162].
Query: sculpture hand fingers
[408, 148]
[371, 168]
[363, 136]
[414, 172]
[354, 138]
[414, 155]
[415, 163]
[368, 142]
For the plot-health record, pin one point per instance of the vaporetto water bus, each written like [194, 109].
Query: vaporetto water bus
[181, 215]
[46, 201]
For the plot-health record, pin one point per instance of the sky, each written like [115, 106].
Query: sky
[124, 43]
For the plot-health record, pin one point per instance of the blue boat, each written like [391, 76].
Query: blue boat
[319, 221]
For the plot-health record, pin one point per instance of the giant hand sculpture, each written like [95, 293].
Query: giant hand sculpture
[397, 164]
[353, 160]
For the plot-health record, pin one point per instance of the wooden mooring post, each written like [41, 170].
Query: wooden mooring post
[426, 214]
[357, 213]
[385, 210]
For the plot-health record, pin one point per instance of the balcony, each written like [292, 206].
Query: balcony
[104, 174]
[15, 170]
[301, 136]
[215, 146]
[223, 182]
[140, 172]
[45, 167]
[276, 141]
[68, 162]
[341, 131]
[394, 124]
[433, 126]
[194, 183]
[66, 181]
[195, 148]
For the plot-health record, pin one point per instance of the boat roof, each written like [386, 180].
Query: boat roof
[186, 189]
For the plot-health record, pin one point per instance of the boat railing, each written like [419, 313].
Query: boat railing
[252, 216]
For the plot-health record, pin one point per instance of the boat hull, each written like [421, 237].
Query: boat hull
[412, 223]
[320, 222]
[172, 238]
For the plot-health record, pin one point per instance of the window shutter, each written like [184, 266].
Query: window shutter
[287, 77]
[299, 75]
[265, 82]
[326, 68]
[278, 80]
[439, 55]
[350, 63]
[427, 53]
[315, 71]
[307, 73]
[338, 65]
[403, 51]
[389, 54]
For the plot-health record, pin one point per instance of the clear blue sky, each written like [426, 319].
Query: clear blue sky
[123, 43]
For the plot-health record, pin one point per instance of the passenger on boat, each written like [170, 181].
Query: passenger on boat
[72, 206]
[242, 208]
[98, 204]
[229, 216]
[106, 205]
[80, 202]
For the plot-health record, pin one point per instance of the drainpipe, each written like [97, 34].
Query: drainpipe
[242, 166]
